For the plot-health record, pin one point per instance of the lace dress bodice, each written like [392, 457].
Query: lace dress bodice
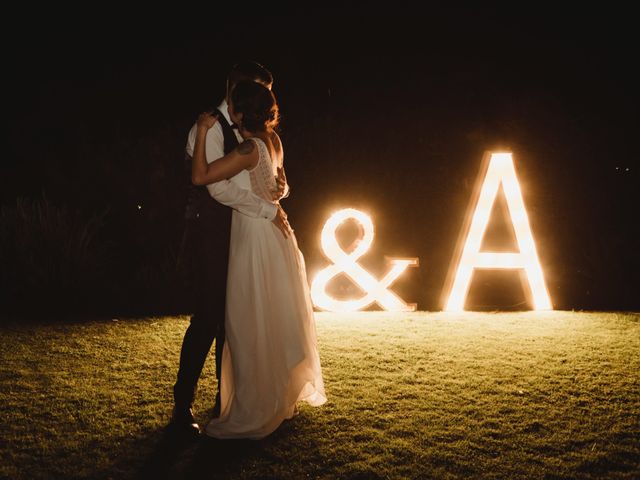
[263, 175]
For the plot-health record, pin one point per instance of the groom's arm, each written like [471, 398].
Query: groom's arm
[245, 201]
[226, 192]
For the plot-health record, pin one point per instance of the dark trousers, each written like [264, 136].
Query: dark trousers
[203, 261]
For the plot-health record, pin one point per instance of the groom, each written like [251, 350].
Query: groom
[205, 249]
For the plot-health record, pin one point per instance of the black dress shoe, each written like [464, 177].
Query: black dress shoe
[183, 423]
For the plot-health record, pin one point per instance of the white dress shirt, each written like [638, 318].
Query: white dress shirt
[224, 191]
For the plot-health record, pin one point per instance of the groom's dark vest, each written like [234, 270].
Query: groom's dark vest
[200, 204]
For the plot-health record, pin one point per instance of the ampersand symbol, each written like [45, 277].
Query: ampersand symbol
[343, 262]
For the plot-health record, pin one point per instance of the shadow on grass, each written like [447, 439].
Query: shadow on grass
[221, 457]
[175, 456]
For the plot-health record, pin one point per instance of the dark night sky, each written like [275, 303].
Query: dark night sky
[389, 111]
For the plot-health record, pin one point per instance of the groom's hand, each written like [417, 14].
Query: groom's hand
[282, 223]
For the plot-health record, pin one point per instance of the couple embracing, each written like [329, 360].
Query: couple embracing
[237, 235]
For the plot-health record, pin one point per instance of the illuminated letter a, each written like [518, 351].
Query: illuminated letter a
[500, 170]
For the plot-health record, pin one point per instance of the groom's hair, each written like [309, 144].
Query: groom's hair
[249, 70]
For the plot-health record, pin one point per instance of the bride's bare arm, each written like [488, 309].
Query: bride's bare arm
[244, 156]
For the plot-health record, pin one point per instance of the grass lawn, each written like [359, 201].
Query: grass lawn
[418, 395]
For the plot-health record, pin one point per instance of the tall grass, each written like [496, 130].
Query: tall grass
[52, 258]
[59, 262]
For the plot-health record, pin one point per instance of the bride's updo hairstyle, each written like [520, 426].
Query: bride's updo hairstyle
[257, 105]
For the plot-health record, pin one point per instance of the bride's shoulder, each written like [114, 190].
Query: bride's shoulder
[275, 138]
[257, 141]
[277, 143]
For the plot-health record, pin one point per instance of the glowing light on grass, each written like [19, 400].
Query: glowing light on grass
[343, 262]
[500, 171]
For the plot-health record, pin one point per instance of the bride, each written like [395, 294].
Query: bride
[270, 358]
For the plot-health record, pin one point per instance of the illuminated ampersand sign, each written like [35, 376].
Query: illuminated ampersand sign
[343, 262]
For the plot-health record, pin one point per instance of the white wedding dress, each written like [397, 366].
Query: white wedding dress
[270, 358]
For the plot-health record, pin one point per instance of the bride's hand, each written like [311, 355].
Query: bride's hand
[282, 222]
[206, 120]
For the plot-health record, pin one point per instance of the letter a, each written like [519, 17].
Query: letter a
[500, 170]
